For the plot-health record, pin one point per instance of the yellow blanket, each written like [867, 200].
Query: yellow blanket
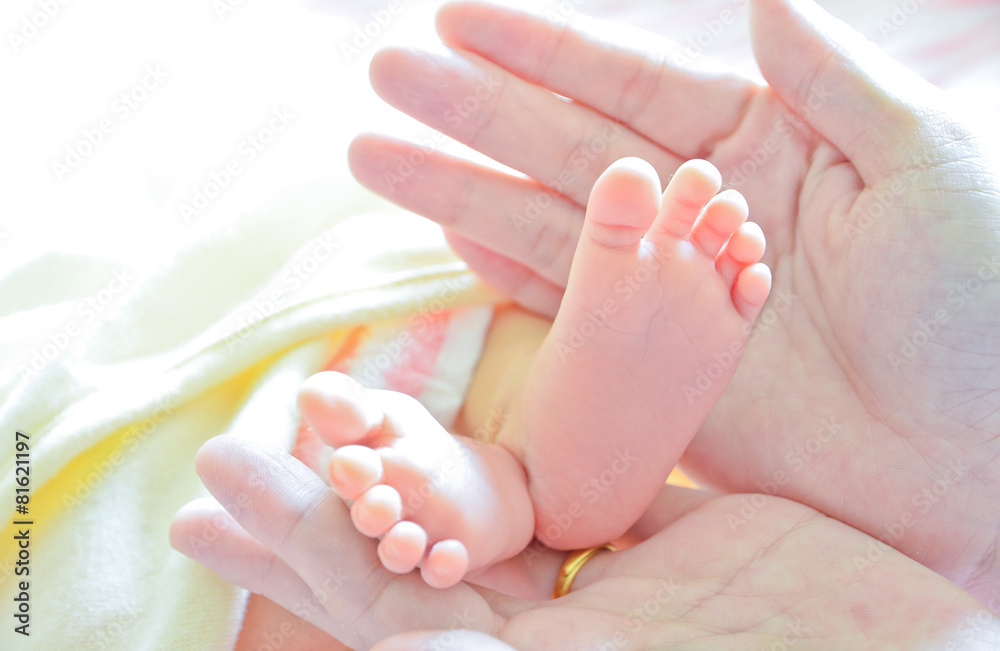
[216, 341]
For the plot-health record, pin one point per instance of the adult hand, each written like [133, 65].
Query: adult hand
[789, 575]
[871, 387]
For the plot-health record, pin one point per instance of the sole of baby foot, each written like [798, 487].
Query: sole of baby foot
[661, 287]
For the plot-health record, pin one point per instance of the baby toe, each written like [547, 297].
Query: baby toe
[691, 187]
[720, 218]
[337, 408]
[446, 564]
[377, 510]
[402, 547]
[746, 244]
[622, 205]
[354, 469]
[751, 290]
[744, 248]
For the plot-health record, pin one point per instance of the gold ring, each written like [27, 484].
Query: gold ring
[572, 566]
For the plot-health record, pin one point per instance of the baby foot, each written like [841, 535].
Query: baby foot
[446, 504]
[661, 298]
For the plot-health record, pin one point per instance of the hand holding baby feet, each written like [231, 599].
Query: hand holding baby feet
[434, 499]
[661, 297]
[661, 289]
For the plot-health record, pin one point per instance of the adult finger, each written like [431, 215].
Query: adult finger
[564, 145]
[650, 83]
[528, 222]
[517, 281]
[204, 531]
[870, 107]
[292, 512]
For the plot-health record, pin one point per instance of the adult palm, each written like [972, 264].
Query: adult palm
[788, 576]
[871, 387]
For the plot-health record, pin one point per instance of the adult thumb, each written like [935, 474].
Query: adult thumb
[872, 108]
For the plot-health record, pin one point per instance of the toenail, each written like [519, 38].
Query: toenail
[337, 474]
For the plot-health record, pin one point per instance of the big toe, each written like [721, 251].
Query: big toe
[337, 408]
[623, 203]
